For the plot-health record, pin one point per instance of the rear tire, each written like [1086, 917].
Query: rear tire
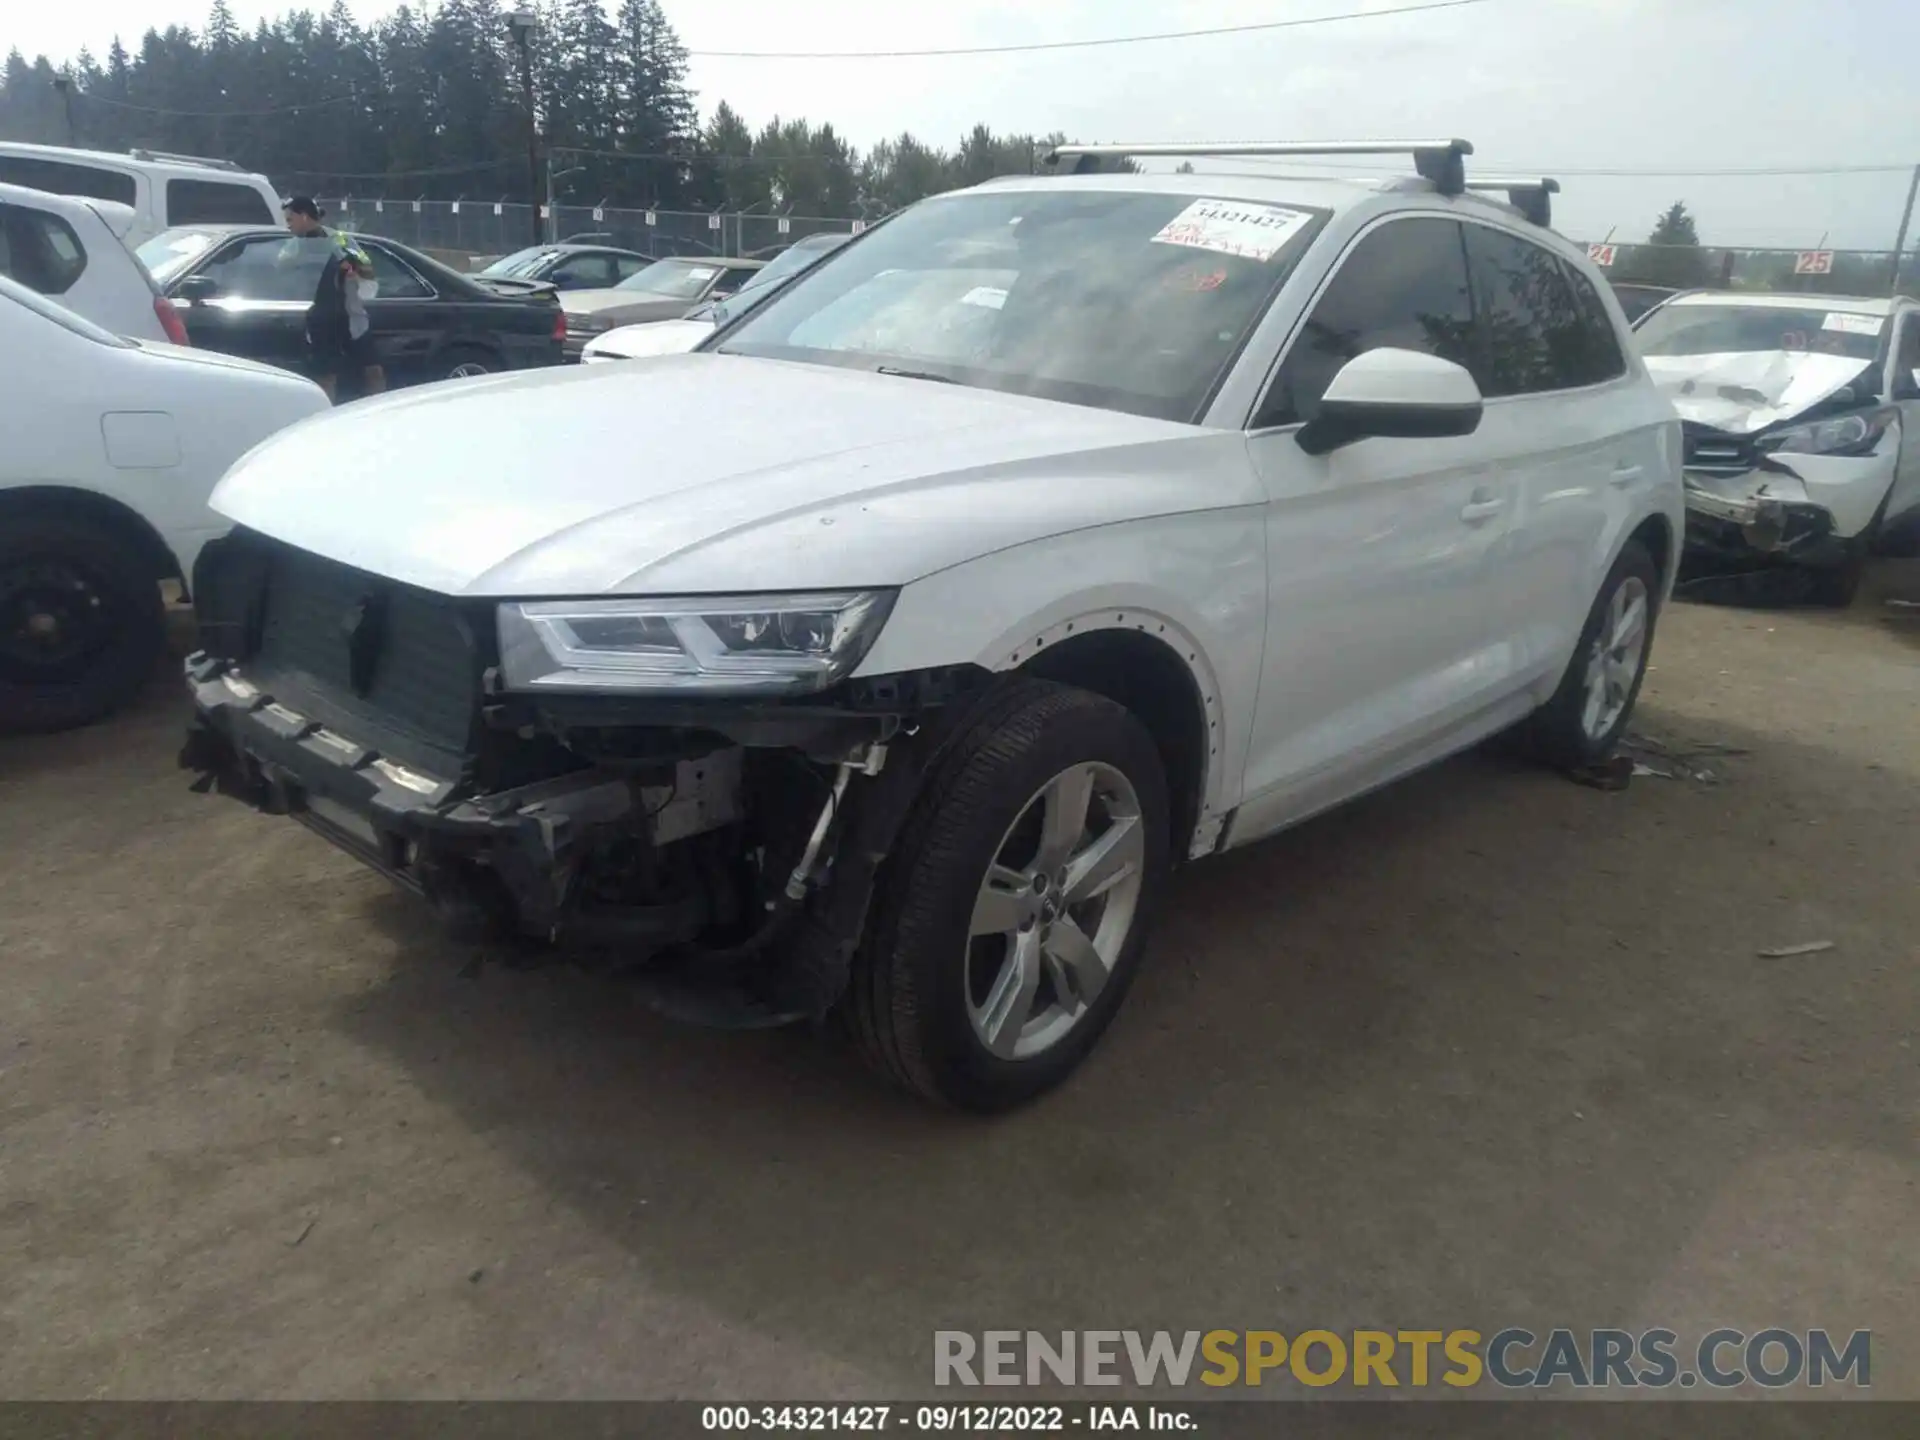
[81, 621]
[465, 361]
[982, 982]
[1583, 722]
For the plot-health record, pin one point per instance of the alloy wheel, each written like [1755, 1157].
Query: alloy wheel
[1054, 910]
[1613, 664]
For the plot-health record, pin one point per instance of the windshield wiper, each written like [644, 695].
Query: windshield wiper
[914, 374]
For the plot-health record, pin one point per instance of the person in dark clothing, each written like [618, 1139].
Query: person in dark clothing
[339, 331]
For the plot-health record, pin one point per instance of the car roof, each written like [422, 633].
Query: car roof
[124, 159]
[1766, 300]
[49, 200]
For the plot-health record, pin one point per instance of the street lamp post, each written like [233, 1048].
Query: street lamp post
[521, 23]
[64, 84]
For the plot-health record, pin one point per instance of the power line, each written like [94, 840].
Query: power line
[1557, 171]
[407, 174]
[213, 114]
[1264, 25]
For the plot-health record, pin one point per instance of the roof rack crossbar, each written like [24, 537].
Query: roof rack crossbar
[1438, 161]
[205, 162]
[1532, 198]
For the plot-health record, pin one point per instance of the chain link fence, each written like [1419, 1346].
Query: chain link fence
[1809, 272]
[468, 233]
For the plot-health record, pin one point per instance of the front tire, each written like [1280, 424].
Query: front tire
[1016, 902]
[1583, 722]
[81, 621]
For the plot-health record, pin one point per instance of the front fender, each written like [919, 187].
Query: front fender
[1196, 582]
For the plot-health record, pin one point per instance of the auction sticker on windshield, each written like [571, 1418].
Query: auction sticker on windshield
[1848, 324]
[1232, 227]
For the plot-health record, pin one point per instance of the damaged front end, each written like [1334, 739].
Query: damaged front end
[1788, 459]
[1806, 493]
[723, 849]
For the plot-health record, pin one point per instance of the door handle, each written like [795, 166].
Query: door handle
[1481, 507]
[1625, 474]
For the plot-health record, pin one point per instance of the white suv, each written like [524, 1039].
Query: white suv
[883, 655]
[162, 190]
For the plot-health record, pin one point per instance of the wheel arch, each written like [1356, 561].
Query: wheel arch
[1656, 533]
[99, 509]
[1149, 665]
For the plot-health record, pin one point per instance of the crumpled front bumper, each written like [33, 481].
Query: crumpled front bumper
[484, 860]
[1805, 509]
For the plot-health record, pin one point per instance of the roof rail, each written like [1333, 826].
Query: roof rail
[1440, 161]
[1532, 198]
[205, 162]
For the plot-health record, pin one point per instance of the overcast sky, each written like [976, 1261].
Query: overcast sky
[1563, 85]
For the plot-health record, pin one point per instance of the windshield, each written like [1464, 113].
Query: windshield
[168, 254]
[520, 263]
[676, 279]
[1759, 329]
[1118, 299]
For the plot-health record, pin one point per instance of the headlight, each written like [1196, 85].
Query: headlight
[585, 325]
[709, 645]
[1855, 434]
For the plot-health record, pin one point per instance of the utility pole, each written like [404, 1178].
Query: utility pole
[64, 84]
[521, 23]
[1906, 223]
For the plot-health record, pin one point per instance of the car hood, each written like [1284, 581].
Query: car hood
[1747, 392]
[711, 473]
[662, 337]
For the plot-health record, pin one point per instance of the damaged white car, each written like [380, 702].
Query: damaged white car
[1802, 417]
[883, 655]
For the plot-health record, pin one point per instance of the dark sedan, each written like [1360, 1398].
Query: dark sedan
[245, 290]
[569, 265]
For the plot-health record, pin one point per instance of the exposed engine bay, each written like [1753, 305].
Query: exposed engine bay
[723, 851]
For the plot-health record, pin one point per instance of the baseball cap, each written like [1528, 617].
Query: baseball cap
[302, 205]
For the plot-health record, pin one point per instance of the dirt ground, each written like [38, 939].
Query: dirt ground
[1488, 1048]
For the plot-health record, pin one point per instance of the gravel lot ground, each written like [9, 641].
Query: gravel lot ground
[1488, 1048]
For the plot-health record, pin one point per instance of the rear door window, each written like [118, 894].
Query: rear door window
[591, 271]
[60, 177]
[1536, 334]
[40, 250]
[215, 202]
[393, 278]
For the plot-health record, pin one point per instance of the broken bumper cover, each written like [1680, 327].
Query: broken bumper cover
[1724, 528]
[485, 860]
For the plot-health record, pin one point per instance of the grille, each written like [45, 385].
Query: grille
[419, 668]
[1718, 453]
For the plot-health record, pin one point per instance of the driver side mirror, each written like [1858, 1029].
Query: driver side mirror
[197, 287]
[1396, 395]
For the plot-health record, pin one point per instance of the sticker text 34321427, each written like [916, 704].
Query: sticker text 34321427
[1233, 227]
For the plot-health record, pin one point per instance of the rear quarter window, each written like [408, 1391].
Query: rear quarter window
[60, 177]
[40, 250]
[215, 202]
